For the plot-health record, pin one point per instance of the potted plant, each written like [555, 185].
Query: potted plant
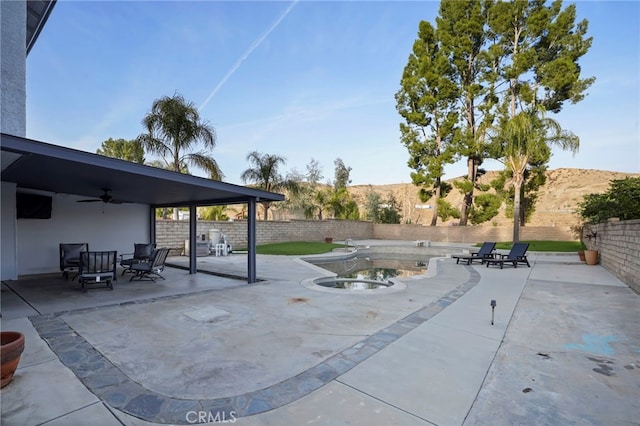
[591, 257]
[12, 345]
[581, 254]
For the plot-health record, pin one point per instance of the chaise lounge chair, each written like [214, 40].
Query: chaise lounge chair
[485, 252]
[97, 267]
[155, 265]
[515, 256]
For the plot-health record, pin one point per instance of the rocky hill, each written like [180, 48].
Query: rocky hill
[557, 199]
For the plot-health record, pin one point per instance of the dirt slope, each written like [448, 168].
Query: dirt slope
[556, 205]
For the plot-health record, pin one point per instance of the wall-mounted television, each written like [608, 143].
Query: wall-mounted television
[33, 206]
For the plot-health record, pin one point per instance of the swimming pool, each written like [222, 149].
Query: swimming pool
[352, 283]
[378, 267]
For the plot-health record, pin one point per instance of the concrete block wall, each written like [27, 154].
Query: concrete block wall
[469, 234]
[172, 233]
[618, 244]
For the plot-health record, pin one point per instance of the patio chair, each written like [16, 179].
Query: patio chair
[485, 252]
[223, 248]
[141, 253]
[97, 267]
[155, 265]
[70, 258]
[515, 256]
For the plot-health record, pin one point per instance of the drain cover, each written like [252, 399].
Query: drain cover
[208, 314]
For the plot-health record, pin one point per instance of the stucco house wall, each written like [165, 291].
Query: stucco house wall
[13, 15]
[103, 226]
[8, 256]
[13, 117]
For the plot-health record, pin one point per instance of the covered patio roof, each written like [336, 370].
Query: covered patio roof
[40, 166]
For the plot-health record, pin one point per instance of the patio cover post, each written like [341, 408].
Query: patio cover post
[192, 239]
[251, 241]
[152, 225]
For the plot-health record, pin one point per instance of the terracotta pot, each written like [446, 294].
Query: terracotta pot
[591, 256]
[12, 345]
[581, 255]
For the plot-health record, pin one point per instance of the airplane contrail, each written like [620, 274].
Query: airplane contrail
[246, 54]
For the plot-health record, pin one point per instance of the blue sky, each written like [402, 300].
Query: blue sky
[307, 79]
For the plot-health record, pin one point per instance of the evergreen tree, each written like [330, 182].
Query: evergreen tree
[130, 150]
[342, 173]
[426, 101]
[510, 62]
[461, 30]
[535, 51]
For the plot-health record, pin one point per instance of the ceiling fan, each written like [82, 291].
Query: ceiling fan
[105, 198]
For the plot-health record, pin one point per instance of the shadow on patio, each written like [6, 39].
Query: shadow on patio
[50, 293]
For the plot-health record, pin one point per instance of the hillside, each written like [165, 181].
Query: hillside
[556, 205]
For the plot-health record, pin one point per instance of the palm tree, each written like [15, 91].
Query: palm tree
[526, 136]
[174, 128]
[265, 175]
[321, 200]
[212, 213]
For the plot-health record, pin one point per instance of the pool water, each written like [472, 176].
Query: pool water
[352, 284]
[369, 268]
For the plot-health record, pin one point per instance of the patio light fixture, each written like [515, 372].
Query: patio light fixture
[493, 307]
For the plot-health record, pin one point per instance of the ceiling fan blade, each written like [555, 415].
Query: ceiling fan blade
[106, 198]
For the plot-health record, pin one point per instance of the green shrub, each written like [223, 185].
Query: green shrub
[622, 200]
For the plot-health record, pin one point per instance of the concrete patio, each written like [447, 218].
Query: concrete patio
[564, 349]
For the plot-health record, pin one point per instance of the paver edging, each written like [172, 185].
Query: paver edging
[115, 388]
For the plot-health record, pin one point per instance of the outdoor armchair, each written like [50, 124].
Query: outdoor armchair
[485, 252]
[515, 256]
[152, 268]
[97, 267]
[141, 253]
[70, 257]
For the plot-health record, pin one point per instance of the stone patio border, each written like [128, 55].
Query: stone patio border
[116, 389]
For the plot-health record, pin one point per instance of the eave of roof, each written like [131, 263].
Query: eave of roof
[38, 12]
[41, 166]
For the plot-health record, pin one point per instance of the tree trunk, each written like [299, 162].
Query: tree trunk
[468, 197]
[265, 207]
[523, 207]
[434, 218]
[517, 186]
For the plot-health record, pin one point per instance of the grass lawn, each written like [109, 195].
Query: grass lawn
[559, 246]
[300, 248]
[296, 248]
